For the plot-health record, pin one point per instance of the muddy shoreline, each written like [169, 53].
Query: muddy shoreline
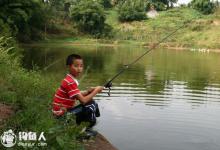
[99, 143]
[162, 45]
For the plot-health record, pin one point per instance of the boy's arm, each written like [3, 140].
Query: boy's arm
[85, 99]
[87, 92]
[84, 93]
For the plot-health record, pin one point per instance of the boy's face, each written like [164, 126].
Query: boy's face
[76, 68]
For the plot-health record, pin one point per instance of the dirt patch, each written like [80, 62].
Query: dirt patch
[99, 143]
[216, 22]
[5, 112]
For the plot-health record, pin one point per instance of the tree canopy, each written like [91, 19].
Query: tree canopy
[25, 17]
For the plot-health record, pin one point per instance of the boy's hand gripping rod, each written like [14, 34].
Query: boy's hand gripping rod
[109, 83]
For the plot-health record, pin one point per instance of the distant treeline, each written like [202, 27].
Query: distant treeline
[29, 20]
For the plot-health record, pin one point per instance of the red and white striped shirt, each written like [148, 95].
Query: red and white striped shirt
[65, 95]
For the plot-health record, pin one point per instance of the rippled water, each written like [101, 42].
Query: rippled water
[170, 100]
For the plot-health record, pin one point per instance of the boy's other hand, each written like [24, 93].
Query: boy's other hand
[99, 89]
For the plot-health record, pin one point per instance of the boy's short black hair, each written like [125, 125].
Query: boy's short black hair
[71, 58]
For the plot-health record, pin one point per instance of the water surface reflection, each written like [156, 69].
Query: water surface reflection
[170, 100]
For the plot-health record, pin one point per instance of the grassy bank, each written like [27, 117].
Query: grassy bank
[202, 32]
[31, 94]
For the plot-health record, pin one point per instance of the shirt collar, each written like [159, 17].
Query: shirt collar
[73, 79]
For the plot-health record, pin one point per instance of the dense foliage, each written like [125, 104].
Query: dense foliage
[203, 6]
[26, 18]
[106, 3]
[89, 17]
[130, 10]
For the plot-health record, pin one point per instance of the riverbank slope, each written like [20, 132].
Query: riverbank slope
[200, 31]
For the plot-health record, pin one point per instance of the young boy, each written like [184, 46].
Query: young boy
[68, 93]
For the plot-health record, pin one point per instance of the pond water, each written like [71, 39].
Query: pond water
[169, 100]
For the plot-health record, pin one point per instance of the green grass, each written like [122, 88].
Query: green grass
[199, 32]
[112, 17]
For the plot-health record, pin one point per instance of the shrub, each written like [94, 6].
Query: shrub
[89, 17]
[203, 6]
[131, 10]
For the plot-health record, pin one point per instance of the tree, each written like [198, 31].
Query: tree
[25, 17]
[204, 6]
[131, 10]
[89, 17]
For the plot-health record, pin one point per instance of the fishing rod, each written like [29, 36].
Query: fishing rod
[109, 83]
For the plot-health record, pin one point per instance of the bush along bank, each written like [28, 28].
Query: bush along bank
[31, 94]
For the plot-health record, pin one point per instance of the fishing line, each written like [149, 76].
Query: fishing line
[109, 83]
[84, 74]
[51, 64]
